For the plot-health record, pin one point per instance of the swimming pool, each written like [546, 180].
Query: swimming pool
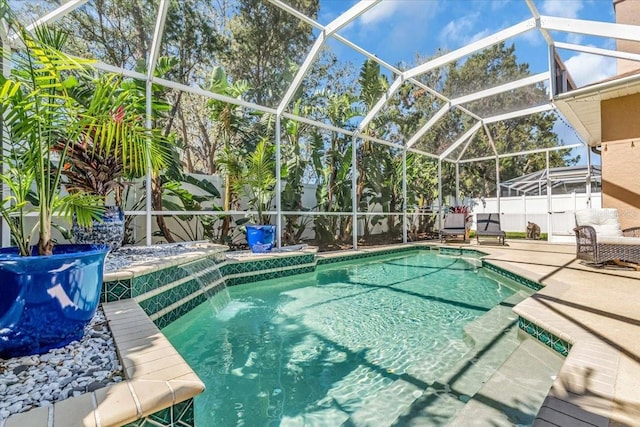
[353, 344]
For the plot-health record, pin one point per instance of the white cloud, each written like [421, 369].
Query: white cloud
[408, 11]
[563, 8]
[575, 38]
[381, 11]
[532, 37]
[499, 4]
[479, 35]
[586, 69]
[458, 31]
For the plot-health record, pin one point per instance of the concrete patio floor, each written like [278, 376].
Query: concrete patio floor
[596, 310]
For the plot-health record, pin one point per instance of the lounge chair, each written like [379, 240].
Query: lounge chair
[488, 225]
[600, 240]
[454, 225]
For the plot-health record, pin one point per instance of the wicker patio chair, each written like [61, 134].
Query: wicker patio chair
[488, 225]
[455, 224]
[600, 240]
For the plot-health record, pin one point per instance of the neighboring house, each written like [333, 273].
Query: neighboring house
[607, 116]
[562, 180]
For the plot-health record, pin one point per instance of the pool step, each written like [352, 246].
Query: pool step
[495, 337]
[515, 392]
[445, 397]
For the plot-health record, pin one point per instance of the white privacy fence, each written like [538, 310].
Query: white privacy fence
[554, 215]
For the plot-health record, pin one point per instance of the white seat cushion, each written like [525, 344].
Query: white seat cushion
[633, 241]
[604, 221]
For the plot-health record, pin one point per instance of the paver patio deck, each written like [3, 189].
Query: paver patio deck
[596, 310]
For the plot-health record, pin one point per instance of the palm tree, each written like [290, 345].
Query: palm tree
[40, 116]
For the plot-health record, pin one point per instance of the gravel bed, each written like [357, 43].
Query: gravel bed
[127, 256]
[80, 367]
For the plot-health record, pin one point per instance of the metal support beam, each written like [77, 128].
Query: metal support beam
[591, 28]
[52, 16]
[354, 186]
[527, 81]
[468, 134]
[338, 23]
[519, 113]
[278, 181]
[588, 189]
[549, 202]
[457, 183]
[483, 43]
[439, 194]
[598, 51]
[404, 196]
[383, 100]
[498, 184]
[536, 15]
[302, 71]
[522, 153]
[432, 121]
[491, 142]
[151, 67]
[553, 77]
[5, 235]
[356, 10]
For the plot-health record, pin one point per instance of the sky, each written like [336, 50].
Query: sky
[396, 30]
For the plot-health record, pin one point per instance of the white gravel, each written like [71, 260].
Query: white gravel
[41, 380]
[133, 255]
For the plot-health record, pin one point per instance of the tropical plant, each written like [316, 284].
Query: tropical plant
[259, 179]
[231, 128]
[40, 117]
[116, 146]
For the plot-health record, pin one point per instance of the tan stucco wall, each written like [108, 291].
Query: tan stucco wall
[620, 118]
[627, 12]
[621, 180]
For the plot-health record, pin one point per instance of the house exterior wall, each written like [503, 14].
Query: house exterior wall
[621, 179]
[620, 119]
[627, 12]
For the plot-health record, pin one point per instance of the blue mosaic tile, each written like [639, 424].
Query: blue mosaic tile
[547, 338]
[115, 290]
[180, 311]
[510, 275]
[179, 415]
[363, 255]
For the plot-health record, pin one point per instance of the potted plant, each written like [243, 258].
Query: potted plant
[115, 149]
[49, 291]
[258, 182]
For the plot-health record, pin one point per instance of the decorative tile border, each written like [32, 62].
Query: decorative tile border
[461, 251]
[545, 337]
[116, 290]
[513, 276]
[178, 415]
[252, 278]
[351, 256]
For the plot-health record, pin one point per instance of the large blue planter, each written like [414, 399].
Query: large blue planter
[261, 237]
[48, 300]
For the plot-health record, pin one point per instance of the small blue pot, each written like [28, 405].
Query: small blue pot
[48, 300]
[261, 237]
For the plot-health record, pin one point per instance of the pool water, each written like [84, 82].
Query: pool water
[353, 345]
